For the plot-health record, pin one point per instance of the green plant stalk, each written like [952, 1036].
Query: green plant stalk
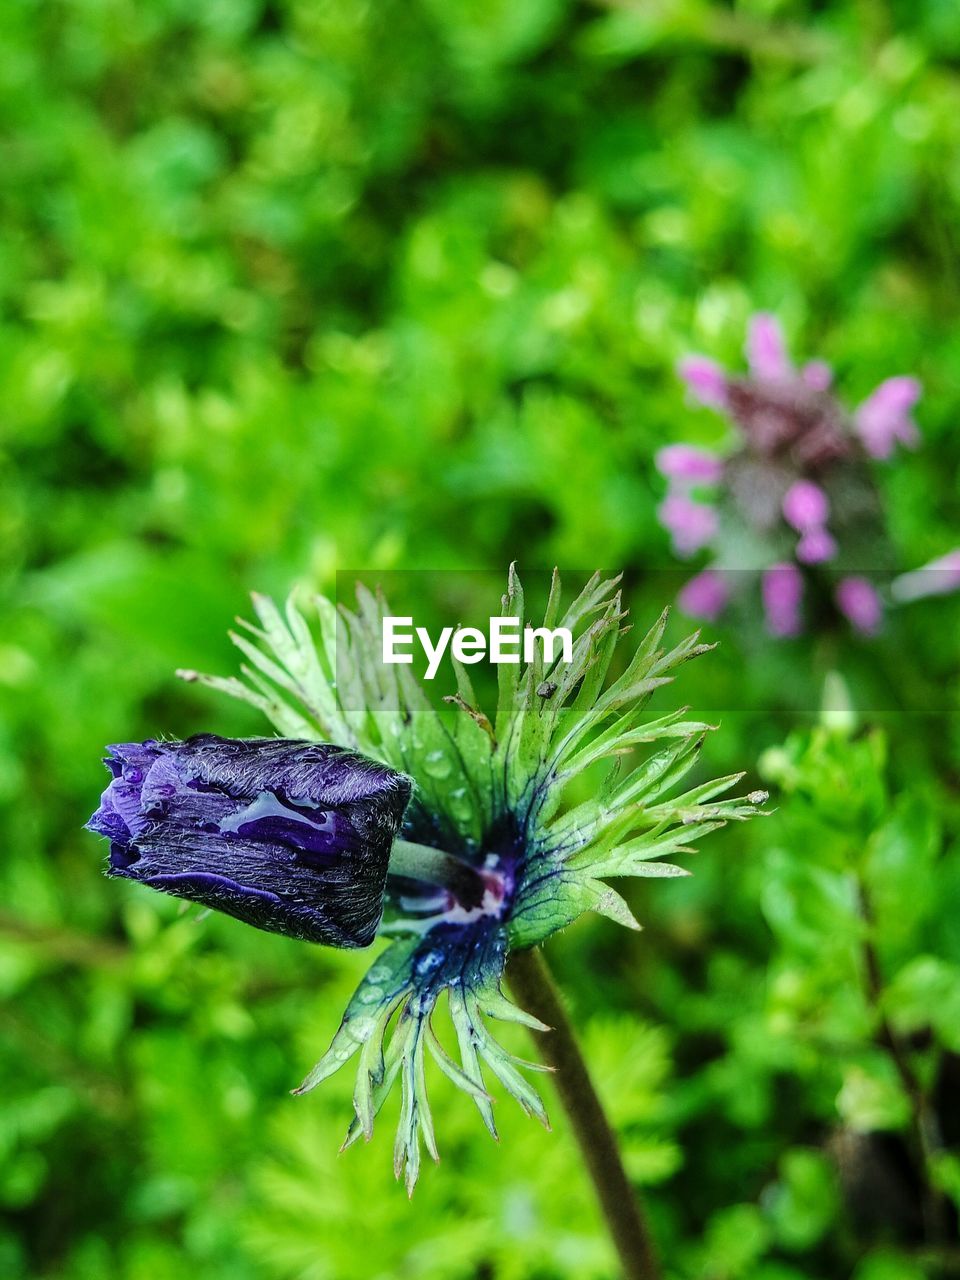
[421, 862]
[924, 1135]
[533, 985]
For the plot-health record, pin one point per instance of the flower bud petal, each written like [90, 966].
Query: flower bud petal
[766, 349]
[292, 837]
[805, 506]
[883, 420]
[686, 464]
[704, 596]
[817, 375]
[692, 524]
[858, 601]
[816, 546]
[705, 380]
[782, 589]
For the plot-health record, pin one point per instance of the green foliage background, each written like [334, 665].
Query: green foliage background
[298, 286]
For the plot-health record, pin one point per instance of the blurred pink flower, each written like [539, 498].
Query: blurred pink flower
[686, 464]
[782, 590]
[883, 420]
[858, 601]
[805, 506]
[816, 546]
[705, 596]
[692, 525]
[803, 459]
[817, 374]
[766, 349]
[705, 380]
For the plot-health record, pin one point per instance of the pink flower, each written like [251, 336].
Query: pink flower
[782, 589]
[692, 524]
[686, 464]
[704, 596]
[883, 420]
[938, 578]
[766, 350]
[816, 546]
[817, 375]
[805, 506]
[858, 601]
[797, 442]
[705, 380]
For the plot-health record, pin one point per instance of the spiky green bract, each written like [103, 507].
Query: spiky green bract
[490, 792]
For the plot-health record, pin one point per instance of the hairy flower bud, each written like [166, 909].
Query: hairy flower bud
[292, 837]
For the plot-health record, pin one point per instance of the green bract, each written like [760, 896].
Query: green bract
[491, 791]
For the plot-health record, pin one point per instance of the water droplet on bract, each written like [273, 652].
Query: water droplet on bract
[426, 963]
[459, 804]
[371, 995]
[437, 764]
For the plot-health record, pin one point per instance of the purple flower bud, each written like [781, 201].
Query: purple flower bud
[805, 506]
[782, 589]
[883, 420]
[766, 350]
[704, 596]
[816, 546]
[858, 601]
[691, 524]
[938, 578]
[705, 380]
[292, 837]
[686, 464]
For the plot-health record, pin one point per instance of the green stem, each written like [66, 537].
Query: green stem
[434, 866]
[924, 1128]
[533, 985]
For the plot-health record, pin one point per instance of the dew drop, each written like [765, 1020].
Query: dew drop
[437, 764]
[459, 803]
[426, 963]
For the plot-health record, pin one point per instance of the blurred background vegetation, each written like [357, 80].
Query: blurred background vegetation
[293, 287]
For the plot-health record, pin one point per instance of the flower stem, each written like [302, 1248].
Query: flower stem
[434, 866]
[924, 1133]
[533, 985]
